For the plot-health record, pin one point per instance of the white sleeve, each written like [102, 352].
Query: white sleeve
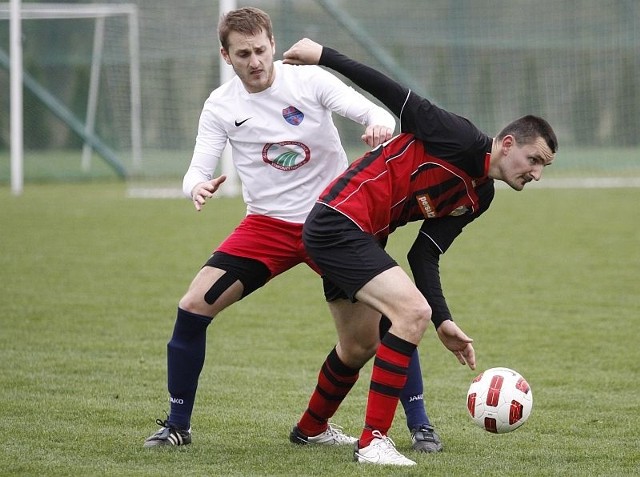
[349, 103]
[210, 143]
[201, 169]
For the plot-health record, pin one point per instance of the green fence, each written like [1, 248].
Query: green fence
[574, 62]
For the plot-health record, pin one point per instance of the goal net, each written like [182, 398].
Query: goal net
[575, 63]
[80, 77]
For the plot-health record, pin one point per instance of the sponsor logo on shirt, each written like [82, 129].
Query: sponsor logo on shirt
[425, 205]
[286, 155]
[292, 115]
[428, 210]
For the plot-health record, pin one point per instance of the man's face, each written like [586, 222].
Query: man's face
[523, 163]
[252, 59]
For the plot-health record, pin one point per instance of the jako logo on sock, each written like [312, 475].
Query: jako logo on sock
[173, 400]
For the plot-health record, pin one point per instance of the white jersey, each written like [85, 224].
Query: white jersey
[285, 145]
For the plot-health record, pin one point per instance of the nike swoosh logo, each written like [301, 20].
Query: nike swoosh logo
[240, 123]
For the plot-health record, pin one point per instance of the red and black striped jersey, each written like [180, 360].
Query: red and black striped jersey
[401, 182]
[431, 170]
[435, 171]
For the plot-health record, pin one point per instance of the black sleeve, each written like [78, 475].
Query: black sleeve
[446, 132]
[392, 94]
[424, 260]
[435, 238]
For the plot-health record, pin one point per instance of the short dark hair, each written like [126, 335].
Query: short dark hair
[248, 21]
[528, 129]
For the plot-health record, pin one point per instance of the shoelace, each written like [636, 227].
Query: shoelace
[162, 423]
[335, 429]
[336, 432]
[390, 446]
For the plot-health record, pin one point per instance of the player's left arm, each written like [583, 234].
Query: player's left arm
[349, 103]
[424, 260]
[434, 238]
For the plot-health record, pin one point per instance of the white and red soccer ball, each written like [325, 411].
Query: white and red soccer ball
[499, 400]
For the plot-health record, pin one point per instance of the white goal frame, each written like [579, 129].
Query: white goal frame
[16, 12]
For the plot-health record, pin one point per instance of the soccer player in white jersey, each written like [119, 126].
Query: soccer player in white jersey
[286, 149]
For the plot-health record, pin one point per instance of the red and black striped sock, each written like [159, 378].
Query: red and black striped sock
[388, 378]
[335, 380]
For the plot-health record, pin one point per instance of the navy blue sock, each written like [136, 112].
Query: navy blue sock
[185, 358]
[412, 396]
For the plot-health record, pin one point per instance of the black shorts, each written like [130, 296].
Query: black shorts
[347, 257]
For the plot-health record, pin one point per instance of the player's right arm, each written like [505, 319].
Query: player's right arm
[388, 91]
[202, 191]
[417, 115]
[199, 183]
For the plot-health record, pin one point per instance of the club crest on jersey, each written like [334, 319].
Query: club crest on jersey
[292, 115]
[425, 205]
[286, 155]
[463, 209]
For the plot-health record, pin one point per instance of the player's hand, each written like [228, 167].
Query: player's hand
[376, 135]
[205, 190]
[456, 341]
[304, 52]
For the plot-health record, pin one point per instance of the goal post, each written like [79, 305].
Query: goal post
[17, 179]
[17, 12]
[232, 184]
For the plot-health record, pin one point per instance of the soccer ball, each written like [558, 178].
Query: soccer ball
[499, 400]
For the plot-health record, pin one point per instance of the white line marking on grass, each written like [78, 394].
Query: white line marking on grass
[155, 193]
[582, 183]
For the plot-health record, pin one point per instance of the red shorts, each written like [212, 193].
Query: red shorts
[274, 242]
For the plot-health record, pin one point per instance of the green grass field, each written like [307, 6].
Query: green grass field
[547, 282]
[63, 165]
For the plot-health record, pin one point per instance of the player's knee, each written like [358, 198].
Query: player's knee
[366, 350]
[227, 289]
[416, 319]
[355, 354]
[194, 303]
[423, 317]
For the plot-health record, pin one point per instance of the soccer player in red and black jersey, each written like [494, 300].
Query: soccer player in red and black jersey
[441, 170]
